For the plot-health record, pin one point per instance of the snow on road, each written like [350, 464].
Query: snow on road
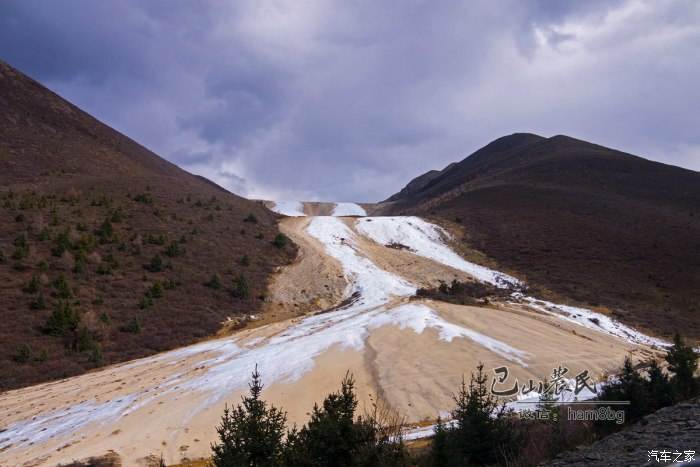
[289, 208]
[348, 209]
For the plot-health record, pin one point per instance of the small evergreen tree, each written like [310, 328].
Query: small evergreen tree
[240, 287]
[280, 240]
[659, 388]
[440, 448]
[38, 303]
[252, 433]
[476, 416]
[156, 264]
[63, 290]
[683, 361]
[214, 282]
[23, 353]
[330, 437]
[32, 286]
[63, 320]
[133, 326]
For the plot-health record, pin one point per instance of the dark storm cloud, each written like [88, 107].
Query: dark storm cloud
[349, 100]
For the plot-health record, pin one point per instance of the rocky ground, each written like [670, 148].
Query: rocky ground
[670, 430]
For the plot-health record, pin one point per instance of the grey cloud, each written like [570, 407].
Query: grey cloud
[349, 100]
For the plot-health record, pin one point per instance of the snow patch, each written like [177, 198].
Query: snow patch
[348, 209]
[428, 240]
[592, 320]
[289, 208]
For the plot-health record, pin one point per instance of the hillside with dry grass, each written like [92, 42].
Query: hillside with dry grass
[590, 224]
[107, 251]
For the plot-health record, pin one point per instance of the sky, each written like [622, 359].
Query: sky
[349, 100]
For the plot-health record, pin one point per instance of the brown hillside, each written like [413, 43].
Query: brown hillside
[105, 248]
[596, 225]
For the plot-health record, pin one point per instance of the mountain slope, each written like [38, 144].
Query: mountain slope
[105, 247]
[583, 221]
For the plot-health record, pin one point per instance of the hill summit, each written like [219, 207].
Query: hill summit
[583, 221]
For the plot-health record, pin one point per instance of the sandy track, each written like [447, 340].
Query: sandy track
[410, 354]
[313, 282]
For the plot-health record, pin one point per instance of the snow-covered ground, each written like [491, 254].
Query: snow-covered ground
[289, 208]
[348, 209]
[427, 240]
[592, 320]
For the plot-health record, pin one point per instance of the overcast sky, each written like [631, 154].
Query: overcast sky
[348, 100]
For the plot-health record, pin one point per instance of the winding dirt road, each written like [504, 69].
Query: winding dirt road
[345, 305]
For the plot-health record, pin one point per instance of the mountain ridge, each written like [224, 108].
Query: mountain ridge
[109, 252]
[596, 225]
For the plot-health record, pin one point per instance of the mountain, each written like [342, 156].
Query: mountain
[578, 220]
[105, 248]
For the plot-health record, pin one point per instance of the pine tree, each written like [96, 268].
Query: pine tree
[440, 454]
[477, 417]
[240, 287]
[659, 388]
[683, 361]
[63, 320]
[329, 437]
[547, 403]
[635, 390]
[251, 434]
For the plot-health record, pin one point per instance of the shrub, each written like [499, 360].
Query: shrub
[21, 247]
[156, 264]
[45, 234]
[146, 302]
[252, 433]
[280, 240]
[156, 290]
[38, 303]
[63, 290]
[240, 287]
[251, 218]
[214, 282]
[174, 249]
[106, 232]
[85, 340]
[245, 261]
[32, 286]
[43, 356]
[133, 326]
[96, 355]
[143, 198]
[63, 319]
[62, 243]
[23, 353]
[683, 361]
[117, 216]
[156, 239]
